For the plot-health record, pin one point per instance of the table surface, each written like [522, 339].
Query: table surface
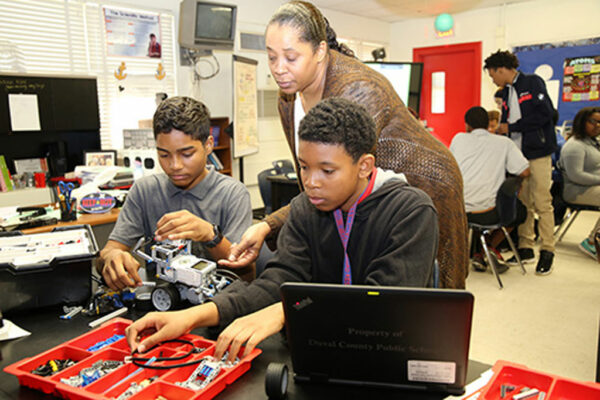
[281, 178]
[49, 331]
[89, 219]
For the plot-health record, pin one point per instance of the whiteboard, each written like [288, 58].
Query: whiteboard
[245, 107]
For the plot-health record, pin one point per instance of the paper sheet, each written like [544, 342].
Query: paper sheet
[12, 331]
[24, 112]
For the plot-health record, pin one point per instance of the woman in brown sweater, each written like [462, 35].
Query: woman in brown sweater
[309, 65]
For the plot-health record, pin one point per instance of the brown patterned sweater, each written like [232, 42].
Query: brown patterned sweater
[403, 146]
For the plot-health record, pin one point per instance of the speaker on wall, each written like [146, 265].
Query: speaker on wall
[142, 161]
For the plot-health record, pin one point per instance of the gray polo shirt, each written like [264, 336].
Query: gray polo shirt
[218, 199]
[484, 159]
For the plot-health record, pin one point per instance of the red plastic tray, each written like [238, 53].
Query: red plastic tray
[555, 387]
[109, 386]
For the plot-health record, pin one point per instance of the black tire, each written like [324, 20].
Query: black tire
[276, 381]
[165, 297]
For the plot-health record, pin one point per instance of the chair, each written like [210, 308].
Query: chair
[573, 211]
[485, 230]
[598, 358]
[506, 204]
[265, 188]
[280, 167]
[283, 166]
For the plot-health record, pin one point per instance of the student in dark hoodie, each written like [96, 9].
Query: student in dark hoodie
[391, 227]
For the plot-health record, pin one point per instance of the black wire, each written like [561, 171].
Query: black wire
[170, 366]
[231, 274]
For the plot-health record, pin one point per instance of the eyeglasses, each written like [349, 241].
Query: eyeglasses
[593, 121]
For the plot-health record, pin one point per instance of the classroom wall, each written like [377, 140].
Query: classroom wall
[216, 93]
[502, 27]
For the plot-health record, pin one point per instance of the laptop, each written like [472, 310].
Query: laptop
[408, 338]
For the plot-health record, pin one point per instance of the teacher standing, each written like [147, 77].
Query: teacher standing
[309, 65]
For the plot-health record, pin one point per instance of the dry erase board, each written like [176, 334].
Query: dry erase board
[47, 104]
[55, 117]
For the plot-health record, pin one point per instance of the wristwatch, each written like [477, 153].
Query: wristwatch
[215, 240]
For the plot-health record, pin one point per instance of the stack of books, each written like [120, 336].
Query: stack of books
[214, 160]
[5, 178]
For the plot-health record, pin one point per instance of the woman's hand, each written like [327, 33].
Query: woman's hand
[246, 252]
[251, 329]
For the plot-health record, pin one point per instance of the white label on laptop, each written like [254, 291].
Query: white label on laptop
[431, 371]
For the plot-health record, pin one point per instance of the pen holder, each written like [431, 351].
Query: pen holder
[68, 212]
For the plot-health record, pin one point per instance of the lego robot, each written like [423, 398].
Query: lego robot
[187, 277]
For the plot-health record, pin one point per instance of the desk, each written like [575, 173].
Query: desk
[49, 331]
[283, 190]
[102, 225]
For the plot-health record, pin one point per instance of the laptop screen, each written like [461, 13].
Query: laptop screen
[380, 336]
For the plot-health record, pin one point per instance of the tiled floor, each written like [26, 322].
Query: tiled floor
[549, 323]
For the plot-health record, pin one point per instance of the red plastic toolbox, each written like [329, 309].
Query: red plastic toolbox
[164, 382]
[554, 386]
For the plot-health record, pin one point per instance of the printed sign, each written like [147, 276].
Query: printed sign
[97, 203]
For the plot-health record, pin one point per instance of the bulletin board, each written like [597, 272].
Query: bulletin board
[573, 69]
[37, 112]
[245, 107]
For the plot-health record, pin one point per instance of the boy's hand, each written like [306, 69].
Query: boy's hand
[120, 270]
[251, 329]
[160, 325]
[163, 326]
[245, 252]
[183, 225]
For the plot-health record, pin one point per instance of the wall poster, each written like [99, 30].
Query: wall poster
[581, 78]
[131, 33]
[245, 107]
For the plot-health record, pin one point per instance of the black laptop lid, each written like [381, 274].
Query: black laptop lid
[381, 336]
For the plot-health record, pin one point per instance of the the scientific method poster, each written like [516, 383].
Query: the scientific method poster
[581, 78]
[129, 33]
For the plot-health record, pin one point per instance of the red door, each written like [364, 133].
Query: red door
[451, 85]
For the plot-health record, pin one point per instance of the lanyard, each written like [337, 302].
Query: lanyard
[344, 229]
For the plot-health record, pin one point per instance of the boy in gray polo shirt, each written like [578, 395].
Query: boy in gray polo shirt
[189, 201]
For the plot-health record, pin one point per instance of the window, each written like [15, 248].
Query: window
[66, 37]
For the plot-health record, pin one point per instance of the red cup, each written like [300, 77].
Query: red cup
[40, 179]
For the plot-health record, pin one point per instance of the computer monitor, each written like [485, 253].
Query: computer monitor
[405, 77]
[206, 26]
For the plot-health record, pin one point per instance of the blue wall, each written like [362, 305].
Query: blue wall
[531, 57]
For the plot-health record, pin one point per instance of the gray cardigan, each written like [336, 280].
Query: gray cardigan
[580, 163]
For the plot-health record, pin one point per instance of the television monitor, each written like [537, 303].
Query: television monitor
[206, 26]
[405, 77]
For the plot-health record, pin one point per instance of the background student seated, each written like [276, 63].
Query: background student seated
[484, 159]
[391, 230]
[189, 201]
[580, 163]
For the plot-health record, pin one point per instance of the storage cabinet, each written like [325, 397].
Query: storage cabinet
[222, 148]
